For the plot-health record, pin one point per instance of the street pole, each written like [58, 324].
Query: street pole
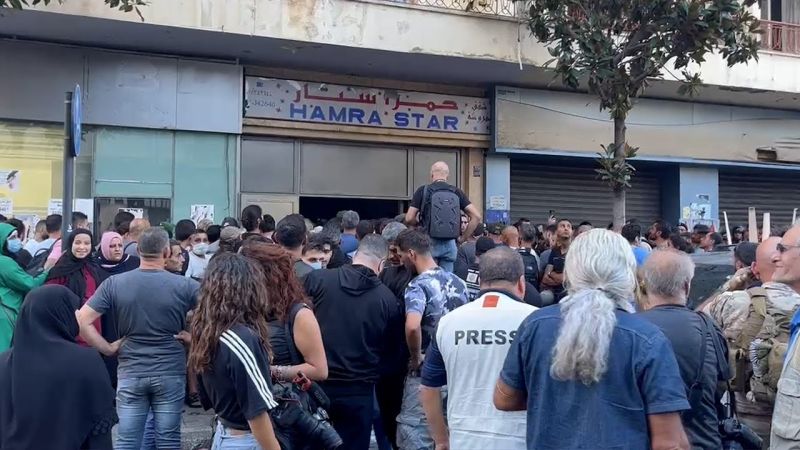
[69, 169]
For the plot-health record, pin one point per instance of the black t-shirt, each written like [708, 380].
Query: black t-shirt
[686, 332]
[238, 384]
[416, 200]
[557, 260]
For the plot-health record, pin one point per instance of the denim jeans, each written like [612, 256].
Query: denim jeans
[444, 252]
[163, 395]
[412, 425]
[226, 441]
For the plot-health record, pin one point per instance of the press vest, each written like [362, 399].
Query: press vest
[474, 340]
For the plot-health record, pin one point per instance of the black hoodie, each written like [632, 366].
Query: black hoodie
[353, 309]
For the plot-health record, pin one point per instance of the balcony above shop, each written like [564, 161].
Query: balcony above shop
[780, 37]
[471, 43]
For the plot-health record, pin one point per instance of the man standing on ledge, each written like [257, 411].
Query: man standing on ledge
[439, 207]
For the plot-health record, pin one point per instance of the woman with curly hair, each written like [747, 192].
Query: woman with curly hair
[230, 353]
[294, 333]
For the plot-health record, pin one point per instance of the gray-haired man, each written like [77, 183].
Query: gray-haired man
[700, 347]
[149, 307]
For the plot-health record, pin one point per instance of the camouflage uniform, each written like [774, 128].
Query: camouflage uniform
[432, 294]
[730, 310]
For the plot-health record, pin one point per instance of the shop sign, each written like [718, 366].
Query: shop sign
[362, 106]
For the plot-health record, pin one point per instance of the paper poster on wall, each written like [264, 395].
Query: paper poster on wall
[9, 179]
[200, 212]
[6, 207]
[138, 213]
[86, 206]
[54, 206]
[498, 202]
[30, 221]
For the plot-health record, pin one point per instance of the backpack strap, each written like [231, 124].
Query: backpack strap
[288, 326]
[758, 297]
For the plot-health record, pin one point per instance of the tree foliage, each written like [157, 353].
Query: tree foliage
[122, 5]
[615, 46]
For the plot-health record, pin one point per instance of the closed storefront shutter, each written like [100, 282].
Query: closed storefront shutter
[577, 194]
[775, 192]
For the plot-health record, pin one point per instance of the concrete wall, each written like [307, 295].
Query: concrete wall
[399, 27]
[699, 185]
[498, 189]
[119, 89]
[558, 121]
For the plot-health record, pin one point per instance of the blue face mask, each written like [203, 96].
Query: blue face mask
[316, 265]
[14, 245]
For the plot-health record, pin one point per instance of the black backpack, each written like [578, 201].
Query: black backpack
[36, 266]
[531, 266]
[441, 212]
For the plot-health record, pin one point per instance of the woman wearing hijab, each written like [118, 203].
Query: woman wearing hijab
[112, 259]
[14, 283]
[54, 394]
[76, 270]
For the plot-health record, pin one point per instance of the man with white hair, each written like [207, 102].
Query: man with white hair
[589, 372]
[699, 345]
[439, 206]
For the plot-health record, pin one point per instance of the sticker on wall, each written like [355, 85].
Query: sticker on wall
[201, 212]
[6, 207]
[54, 206]
[498, 202]
[9, 179]
[138, 213]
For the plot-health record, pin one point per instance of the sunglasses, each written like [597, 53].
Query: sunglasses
[785, 248]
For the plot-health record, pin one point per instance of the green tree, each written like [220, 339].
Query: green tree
[615, 46]
[122, 5]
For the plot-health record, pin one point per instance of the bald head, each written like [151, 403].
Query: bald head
[440, 171]
[510, 236]
[666, 277]
[764, 267]
[137, 228]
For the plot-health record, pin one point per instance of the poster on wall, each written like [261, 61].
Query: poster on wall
[9, 179]
[6, 207]
[86, 206]
[30, 221]
[138, 213]
[200, 212]
[54, 206]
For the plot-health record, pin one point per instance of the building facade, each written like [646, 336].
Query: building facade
[316, 106]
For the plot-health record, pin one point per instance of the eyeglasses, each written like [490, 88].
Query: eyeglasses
[785, 248]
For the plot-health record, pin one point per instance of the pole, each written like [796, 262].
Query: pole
[727, 228]
[752, 225]
[69, 169]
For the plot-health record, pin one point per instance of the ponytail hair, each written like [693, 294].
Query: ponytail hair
[600, 270]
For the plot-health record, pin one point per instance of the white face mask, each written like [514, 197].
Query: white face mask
[199, 249]
[316, 265]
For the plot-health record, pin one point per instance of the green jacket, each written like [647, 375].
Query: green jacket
[14, 285]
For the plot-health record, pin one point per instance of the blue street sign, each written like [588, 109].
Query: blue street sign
[76, 121]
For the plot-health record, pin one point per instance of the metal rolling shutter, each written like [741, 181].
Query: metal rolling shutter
[575, 193]
[775, 192]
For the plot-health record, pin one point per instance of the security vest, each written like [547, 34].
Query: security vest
[474, 340]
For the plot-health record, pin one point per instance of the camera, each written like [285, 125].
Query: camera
[302, 409]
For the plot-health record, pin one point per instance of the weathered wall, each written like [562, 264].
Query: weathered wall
[557, 121]
[400, 28]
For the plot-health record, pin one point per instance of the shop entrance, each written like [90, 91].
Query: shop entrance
[321, 209]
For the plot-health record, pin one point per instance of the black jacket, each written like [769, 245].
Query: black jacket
[354, 310]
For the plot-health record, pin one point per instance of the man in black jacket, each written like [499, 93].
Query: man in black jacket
[354, 310]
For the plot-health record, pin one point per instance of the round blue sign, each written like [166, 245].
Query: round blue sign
[76, 121]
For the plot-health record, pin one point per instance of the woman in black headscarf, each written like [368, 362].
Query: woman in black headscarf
[77, 270]
[53, 392]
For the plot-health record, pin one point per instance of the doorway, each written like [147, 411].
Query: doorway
[321, 209]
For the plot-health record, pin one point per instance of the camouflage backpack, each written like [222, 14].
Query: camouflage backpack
[760, 349]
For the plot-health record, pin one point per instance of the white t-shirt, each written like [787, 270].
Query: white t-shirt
[467, 355]
[197, 266]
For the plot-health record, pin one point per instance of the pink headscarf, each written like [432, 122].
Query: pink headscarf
[105, 243]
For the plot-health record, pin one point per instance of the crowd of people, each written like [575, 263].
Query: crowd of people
[431, 330]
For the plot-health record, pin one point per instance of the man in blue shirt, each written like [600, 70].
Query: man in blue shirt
[589, 373]
[633, 233]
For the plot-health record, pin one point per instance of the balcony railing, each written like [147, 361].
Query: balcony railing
[780, 37]
[504, 8]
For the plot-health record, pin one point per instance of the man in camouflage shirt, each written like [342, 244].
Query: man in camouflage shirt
[731, 310]
[429, 296]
